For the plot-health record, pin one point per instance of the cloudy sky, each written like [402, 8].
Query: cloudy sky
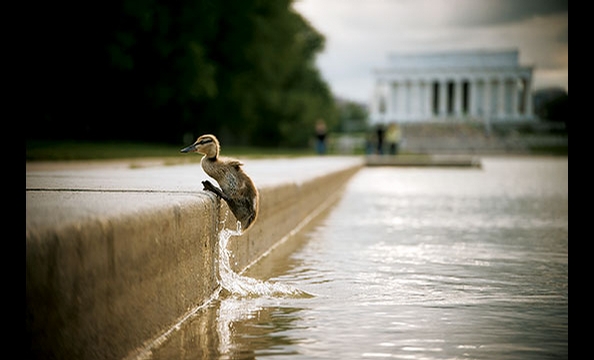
[361, 33]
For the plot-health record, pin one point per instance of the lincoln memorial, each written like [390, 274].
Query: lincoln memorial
[476, 86]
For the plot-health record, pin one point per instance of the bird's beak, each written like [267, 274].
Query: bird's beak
[191, 148]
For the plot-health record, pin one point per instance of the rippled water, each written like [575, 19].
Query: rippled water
[413, 263]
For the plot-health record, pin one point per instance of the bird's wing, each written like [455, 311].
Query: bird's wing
[234, 162]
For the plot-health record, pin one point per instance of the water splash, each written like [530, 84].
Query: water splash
[246, 296]
[244, 286]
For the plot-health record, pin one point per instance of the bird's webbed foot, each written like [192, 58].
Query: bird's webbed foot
[210, 187]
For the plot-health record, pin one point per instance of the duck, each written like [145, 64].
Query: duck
[236, 187]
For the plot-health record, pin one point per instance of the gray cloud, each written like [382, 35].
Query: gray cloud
[361, 34]
[491, 12]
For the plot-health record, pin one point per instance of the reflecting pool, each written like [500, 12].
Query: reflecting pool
[411, 263]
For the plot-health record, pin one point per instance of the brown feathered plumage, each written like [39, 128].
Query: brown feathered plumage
[237, 188]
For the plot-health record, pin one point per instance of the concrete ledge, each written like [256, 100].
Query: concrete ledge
[114, 257]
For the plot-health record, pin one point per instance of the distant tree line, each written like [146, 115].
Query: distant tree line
[552, 104]
[353, 116]
[154, 70]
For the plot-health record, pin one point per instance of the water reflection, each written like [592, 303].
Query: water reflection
[233, 328]
[249, 328]
[250, 316]
[423, 264]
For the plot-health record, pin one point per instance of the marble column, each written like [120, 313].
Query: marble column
[425, 100]
[501, 98]
[407, 100]
[415, 100]
[514, 98]
[396, 107]
[487, 98]
[393, 97]
[428, 99]
[412, 100]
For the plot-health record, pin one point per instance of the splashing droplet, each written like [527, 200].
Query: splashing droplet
[244, 286]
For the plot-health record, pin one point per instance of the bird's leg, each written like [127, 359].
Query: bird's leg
[210, 187]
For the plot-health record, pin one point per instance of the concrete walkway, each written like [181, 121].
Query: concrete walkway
[70, 194]
[117, 255]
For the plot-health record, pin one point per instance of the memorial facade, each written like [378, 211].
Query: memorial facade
[480, 86]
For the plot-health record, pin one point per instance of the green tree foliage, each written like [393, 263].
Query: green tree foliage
[552, 104]
[154, 70]
[557, 109]
[352, 116]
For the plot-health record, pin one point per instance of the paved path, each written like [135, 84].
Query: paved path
[68, 192]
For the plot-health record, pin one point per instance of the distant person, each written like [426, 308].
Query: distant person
[379, 132]
[321, 132]
[369, 143]
[393, 138]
